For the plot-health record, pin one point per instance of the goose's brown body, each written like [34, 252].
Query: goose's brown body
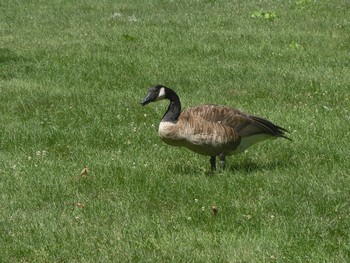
[213, 130]
[210, 129]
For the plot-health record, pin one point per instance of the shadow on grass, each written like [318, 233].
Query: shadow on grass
[12, 65]
[250, 166]
[240, 166]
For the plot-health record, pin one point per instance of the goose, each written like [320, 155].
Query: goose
[210, 130]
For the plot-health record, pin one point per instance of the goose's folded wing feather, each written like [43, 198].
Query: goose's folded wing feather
[244, 125]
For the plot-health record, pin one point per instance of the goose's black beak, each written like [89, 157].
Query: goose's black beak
[149, 98]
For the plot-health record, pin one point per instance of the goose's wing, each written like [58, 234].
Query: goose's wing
[200, 130]
[244, 125]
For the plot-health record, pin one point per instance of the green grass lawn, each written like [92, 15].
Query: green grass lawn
[72, 74]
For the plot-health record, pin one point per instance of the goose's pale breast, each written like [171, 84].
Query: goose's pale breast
[203, 138]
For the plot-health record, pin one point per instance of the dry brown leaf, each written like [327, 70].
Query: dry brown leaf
[79, 204]
[214, 209]
[84, 172]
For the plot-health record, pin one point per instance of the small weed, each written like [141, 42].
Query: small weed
[269, 15]
[295, 45]
[302, 4]
[128, 37]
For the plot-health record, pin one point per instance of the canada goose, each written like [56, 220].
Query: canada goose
[210, 130]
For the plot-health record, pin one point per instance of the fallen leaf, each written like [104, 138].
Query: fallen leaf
[214, 209]
[79, 204]
[84, 172]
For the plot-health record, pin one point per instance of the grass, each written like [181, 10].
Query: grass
[71, 78]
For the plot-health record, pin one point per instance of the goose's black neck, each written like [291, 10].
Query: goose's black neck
[174, 110]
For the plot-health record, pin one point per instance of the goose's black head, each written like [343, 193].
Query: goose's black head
[156, 92]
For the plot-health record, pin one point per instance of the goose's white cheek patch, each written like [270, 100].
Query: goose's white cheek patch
[161, 94]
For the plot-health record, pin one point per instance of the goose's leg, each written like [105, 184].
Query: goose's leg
[213, 164]
[222, 161]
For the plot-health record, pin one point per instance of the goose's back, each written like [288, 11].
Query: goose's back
[244, 125]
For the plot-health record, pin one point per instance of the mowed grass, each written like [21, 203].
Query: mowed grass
[72, 74]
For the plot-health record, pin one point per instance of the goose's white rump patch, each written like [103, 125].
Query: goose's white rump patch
[246, 142]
